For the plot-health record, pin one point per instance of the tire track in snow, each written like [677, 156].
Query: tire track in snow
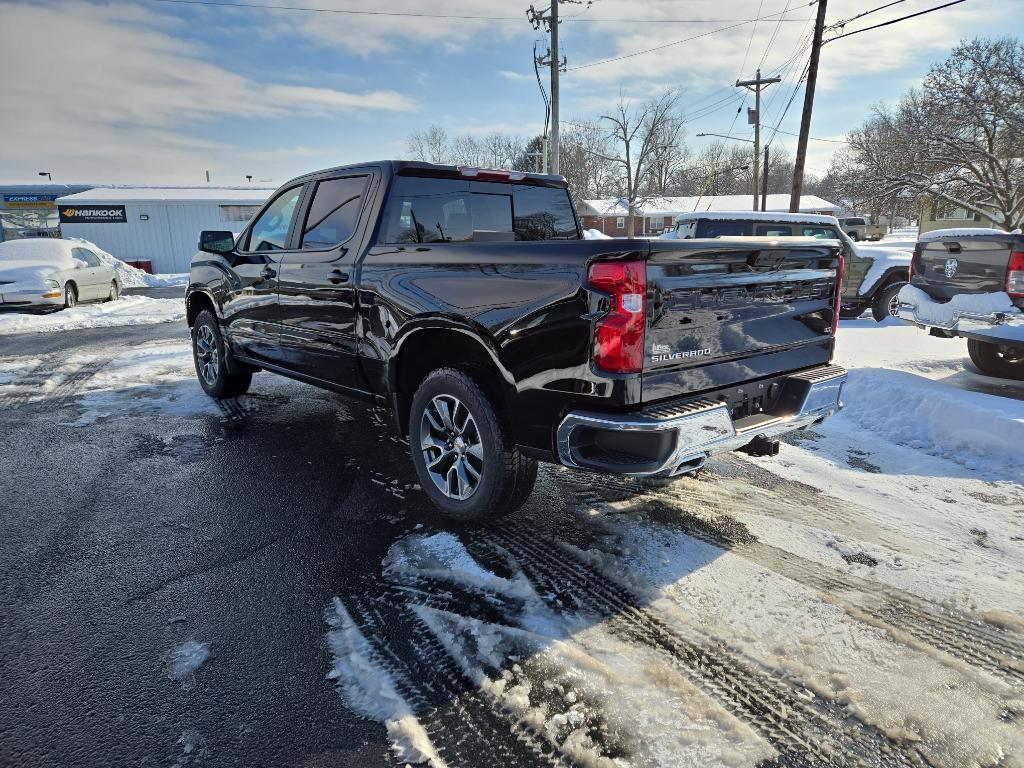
[464, 724]
[30, 383]
[997, 651]
[805, 728]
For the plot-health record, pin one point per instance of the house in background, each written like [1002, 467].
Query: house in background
[938, 214]
[656, 215]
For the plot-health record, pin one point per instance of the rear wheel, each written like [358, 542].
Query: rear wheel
[886, 302]
[210, 355]
[115, 291]
[997, 359]
[70, 296]
[466, 462]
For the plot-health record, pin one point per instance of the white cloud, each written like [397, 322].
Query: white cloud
[119, 94]
[516, 76]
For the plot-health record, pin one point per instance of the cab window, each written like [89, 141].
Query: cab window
[822, 233]
[424, 210]
[334, 212]
[773, 230]
[270, 231]
[713, 228]
[86, 257]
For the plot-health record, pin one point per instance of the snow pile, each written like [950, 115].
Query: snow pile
[882, 259]
[369, 690]
[595, 234]
[937, 234]
[978, 431]
[184, 660]
[133, 277]
[945, 315]
[128, 310]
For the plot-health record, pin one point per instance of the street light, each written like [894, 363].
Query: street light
[723, 136]
[713, 174]
[46, 174]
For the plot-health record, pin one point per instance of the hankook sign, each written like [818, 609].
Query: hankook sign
[93, 214]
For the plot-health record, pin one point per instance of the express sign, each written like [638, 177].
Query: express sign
[93, 214]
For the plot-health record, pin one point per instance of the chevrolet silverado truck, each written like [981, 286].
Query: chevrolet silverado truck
[467, 302]
[872, 275]
[969, 283]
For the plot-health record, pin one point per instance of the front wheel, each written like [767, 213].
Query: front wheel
[70, 296]
[209, 353]
[886, 302]
[466, 462]
[997, 359]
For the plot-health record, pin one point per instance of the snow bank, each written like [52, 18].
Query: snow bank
[979, 431]
[936, 234]
[945, 315]
[128, 310]
[595, 234]
[883, 258]
[369, 690]
[132, 277]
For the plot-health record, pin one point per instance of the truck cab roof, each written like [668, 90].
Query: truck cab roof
[770, 216]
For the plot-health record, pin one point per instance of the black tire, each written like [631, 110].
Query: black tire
[70, 296]
[209, 353]
[996, 359]
[115, 291]
[885, 302]
[505, 477]
[855, 237]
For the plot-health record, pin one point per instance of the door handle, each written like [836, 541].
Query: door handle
[268, 273]
[337, 276]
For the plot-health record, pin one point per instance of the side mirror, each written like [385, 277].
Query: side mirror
[217, 242]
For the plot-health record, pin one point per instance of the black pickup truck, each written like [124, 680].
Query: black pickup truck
[969, 283]
[466, 301]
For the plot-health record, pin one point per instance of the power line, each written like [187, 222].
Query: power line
[668, 45]
[461, 17]
[812, 138]
[861, 15]
[894, 21]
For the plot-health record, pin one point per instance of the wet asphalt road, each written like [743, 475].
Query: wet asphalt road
[124, 539]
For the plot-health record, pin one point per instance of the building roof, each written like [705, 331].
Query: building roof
[769, 216]
[673, 206]
[224, 195]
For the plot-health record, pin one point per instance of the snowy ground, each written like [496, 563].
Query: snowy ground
[857, 600]
[127, 310]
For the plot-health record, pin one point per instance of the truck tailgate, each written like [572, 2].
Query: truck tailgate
[728, 313]
[948, 266]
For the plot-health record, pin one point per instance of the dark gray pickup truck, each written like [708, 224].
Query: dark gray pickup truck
[970, 283]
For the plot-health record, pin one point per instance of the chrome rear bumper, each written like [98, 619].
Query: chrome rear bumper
[670, 439]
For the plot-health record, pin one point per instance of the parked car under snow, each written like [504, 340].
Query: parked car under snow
[48, 273]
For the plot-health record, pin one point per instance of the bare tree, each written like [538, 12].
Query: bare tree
[583, 160]
[636, 135]
[430, 145]
[958, 138]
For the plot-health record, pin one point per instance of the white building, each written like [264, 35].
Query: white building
[654, 216]
[160, 225]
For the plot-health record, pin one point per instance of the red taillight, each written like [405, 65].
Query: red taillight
[492, 174]
[619, 335]
[838, 295]
[1015, 275]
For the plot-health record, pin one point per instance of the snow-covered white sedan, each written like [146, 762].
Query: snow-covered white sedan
[46, 273]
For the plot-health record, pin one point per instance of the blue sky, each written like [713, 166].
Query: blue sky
[155, 92]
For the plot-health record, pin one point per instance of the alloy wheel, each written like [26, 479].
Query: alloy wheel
[207, 354]
[894, 305]
[452, 447]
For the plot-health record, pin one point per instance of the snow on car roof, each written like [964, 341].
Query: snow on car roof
[229, 195]
[798, 218]
[45, 249]
[935, 234]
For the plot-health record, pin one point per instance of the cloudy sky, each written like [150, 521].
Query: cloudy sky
[160, 92]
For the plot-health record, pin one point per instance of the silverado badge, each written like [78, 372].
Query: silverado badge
[951, 267]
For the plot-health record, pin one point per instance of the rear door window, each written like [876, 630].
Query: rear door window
[334, 212]
[445, 211]
[543, 213]
[711, 228]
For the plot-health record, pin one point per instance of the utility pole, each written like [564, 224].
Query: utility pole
[555, 66]
[756, 85]
[764, 181]
[805, 120]
[549, 19]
